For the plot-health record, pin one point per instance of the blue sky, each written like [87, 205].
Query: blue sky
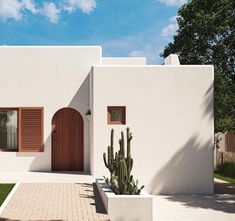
[121, 27]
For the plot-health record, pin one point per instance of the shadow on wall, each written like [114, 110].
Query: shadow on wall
[208, 103]
[190, 169]
[80, 102]
[40, 161]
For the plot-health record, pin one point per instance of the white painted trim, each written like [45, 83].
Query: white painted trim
[6, 201]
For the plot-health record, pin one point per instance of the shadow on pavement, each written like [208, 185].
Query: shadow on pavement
[223, 199]
[219, 202]
[224, 188]
[98, 201]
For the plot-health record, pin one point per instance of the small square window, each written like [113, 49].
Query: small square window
[116, 115]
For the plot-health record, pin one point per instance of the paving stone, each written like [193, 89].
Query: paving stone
[51, 201]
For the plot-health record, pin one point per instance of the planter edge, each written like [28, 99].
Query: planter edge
[123, 207]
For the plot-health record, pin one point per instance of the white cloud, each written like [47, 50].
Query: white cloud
[148, 51]
[30, 5]
[137, 53]
[11, 9]
[170, 29]
[147, 44]
[14, 9]
[173, 2]
[51, 11]
[173, 18]
[86, 6]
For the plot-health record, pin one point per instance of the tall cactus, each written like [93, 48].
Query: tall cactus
[120, 166]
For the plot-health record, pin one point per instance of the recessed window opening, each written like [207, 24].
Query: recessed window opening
[116, 115]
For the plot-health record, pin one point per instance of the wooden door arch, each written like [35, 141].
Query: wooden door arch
[67, 140]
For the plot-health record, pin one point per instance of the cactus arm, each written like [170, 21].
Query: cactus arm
[111, 138]
[122, 145]
[129, 160]
[105, 161]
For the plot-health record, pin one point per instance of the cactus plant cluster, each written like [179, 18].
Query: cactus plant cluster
[120, 165]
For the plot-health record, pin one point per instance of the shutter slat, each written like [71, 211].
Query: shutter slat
[31, 129]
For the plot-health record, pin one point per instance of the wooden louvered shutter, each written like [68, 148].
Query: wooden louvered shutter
[30, 129]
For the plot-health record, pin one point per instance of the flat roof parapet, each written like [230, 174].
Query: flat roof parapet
[172, 59]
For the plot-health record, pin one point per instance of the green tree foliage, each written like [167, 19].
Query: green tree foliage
[206, 35]
[224, 103]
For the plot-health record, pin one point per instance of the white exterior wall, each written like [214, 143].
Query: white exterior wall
[49, 77]
[170, 112]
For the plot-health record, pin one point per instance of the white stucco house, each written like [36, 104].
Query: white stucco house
[58, 105]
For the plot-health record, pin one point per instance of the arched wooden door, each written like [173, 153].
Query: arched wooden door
[67, 140]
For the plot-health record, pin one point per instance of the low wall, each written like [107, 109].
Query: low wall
[126, 207]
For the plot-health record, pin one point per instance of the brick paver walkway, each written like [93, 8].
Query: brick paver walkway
[41, 201]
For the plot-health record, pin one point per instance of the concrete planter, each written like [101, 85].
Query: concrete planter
[126, 207]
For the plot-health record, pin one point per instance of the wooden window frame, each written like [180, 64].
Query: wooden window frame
[18, 109]
[123, 109]
[2, 149]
